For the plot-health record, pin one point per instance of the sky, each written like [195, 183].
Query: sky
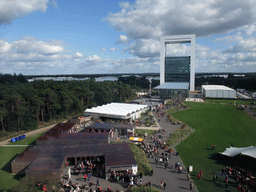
[43, 37]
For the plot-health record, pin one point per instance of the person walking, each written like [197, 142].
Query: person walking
[165, 165]
[188, 176]
[201, 173]
[164, 185]
[198, 176]
[217, 179]
[226, 183]
[191, 185]
[98, 182]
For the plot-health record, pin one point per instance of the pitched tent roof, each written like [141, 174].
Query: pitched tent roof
[117, 109]
[233, 151]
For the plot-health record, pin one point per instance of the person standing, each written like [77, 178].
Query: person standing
[214, 178]
[85, 177]
[98, 182]
[188, 176]
[164, 185]
[141, 174]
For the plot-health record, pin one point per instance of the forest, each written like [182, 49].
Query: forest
[23, 105]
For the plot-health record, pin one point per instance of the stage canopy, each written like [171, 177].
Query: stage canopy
[233, 151]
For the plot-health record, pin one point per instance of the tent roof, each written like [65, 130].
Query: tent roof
[117, 109]
[233, 151]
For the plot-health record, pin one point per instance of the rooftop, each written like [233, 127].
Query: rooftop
[176, 85]
[116, 109]
[216, 87]
[56, 131]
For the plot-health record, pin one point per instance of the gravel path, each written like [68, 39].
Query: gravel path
[8, 141]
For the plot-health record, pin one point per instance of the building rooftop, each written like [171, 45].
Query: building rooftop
[109, 126]
[216, 87]
[56, 131]
[176, 85]
[116, 109]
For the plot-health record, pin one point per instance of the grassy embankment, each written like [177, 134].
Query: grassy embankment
[7, 154]
[214, 124]
[141, 159]
[141, 132]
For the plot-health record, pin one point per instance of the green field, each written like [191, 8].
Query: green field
[7, 154]
[214, 124]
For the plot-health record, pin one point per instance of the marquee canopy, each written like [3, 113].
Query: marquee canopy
[117, 109]
[233, 151]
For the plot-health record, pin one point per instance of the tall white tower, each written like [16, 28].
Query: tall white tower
[178, 39]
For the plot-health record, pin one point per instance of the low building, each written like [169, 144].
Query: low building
[112, 128]
[173, 90]
[218, 91]
[59, 148]
[117, 111]
[80, 120]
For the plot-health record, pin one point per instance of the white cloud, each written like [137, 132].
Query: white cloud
[78, 55]
[12, 9]
[31, 54]
[123, 39]
[113, 49]
[154, 18]
[104, 49]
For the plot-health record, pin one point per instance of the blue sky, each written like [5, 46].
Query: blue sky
[107, 36]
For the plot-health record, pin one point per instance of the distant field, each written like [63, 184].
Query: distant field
[7, 154]
[214, 124]
[239, 102]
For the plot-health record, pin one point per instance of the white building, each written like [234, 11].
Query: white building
[218, 91]
[117, 111]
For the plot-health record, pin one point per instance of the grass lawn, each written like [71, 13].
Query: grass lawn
[214, 124]
[7, 154]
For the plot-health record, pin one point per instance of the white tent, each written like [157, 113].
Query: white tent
[233, 151]
[117, 110]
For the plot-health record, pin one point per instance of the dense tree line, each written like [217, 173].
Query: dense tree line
[24, 104]
[141, 82]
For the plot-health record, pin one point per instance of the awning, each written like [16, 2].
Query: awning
[176, 85]
[135, 139]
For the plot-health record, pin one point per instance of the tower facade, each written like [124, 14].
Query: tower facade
[178, 69]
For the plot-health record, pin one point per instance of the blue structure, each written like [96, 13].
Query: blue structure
[18, 138]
